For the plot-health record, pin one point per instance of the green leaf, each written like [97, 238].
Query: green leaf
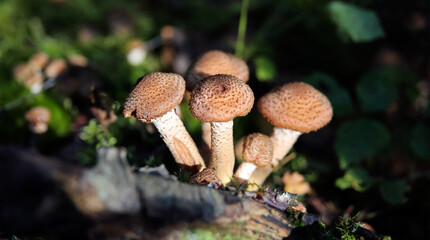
[94, 135]
[356, 178]
[394, 191]
[338, 96]
[265, 69]
[359, 139]
[355, 23]
[420, 141]
[376, 91]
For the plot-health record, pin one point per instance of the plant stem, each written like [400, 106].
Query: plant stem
[240, 42]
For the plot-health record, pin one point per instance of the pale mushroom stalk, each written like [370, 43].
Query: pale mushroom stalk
[245, 170]
[222, 158]
[177, 139]
[206, 134]
[283, 140]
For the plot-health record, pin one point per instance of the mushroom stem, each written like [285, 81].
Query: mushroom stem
[244, 171]
[206, 134]
[177, 139]
[283, 140]
[222, 148]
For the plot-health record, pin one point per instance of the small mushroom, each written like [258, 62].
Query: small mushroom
[238, 148]
[38, 118]
[217, 62]
[293, 109]
[55, 68]
[35, 82]
[212, 63]
[22, 72]
[205, 177]
[257, 151]
[153, 99]
[217, 100]
[38, 61]
[136, 52]
[77, 60]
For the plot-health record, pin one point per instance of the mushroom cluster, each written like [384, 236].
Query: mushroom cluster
[33, 73]
[219, 93]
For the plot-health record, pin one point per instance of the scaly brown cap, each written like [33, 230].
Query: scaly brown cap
[221, 98]
[217, 62]
[154, 95]
[257, 149]
[38, 61]
[296, 106]
[55, 68]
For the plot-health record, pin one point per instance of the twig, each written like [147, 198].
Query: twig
[15, 103]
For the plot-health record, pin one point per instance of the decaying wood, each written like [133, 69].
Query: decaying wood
[145, 205]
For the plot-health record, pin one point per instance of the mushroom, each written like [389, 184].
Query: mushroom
[153, 99]
[55, 68]
[212, 63]
[38, 117]
[77, 60]
[293, 109]
[22, 72]
[257, 151]
[217, 62]
[205, 177]
[136, 52]
[217, 100]
[38, 61]
[35, 82]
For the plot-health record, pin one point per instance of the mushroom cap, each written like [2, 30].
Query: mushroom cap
[257, 149]
[297, 106]
[55, 68]
[217, 62]
[38, 114]
[220, 98]
[154, 95]
[38, 61]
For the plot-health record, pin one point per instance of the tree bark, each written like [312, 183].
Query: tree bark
[120, 204]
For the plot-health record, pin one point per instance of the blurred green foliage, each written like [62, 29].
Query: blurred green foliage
[355, 178]
[358, 140]
[265, 69]
[379, 89]
[94, 135]
[420, 141]
[393, 191]
[376, 93]
[338, 96]
[61, 114]
[354, 22]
